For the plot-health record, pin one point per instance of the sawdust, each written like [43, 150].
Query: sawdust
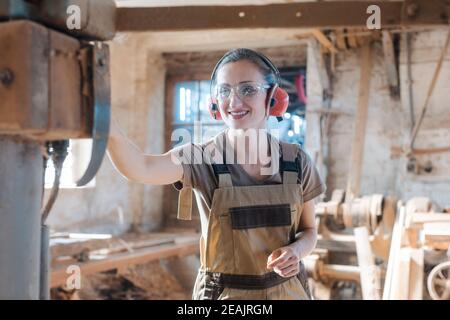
[148, 281]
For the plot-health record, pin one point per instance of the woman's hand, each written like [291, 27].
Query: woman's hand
[284, 261]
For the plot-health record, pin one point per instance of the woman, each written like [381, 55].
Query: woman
[257, 222]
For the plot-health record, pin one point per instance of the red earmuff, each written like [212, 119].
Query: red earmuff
[279, 103]
[213, 107]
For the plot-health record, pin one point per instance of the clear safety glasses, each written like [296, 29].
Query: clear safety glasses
[244, 90]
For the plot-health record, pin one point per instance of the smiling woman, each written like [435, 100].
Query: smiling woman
[257, 224]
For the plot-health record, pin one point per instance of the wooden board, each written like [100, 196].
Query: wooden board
[324, 41]
[370, 281]
[407, 283]
[181, 248]
[394, 253]
[360, 121]
[416, 275]
[310, 14]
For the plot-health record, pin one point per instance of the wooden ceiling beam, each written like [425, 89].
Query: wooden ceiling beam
[329, 14]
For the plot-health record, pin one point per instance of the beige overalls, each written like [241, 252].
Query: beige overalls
[246, 224]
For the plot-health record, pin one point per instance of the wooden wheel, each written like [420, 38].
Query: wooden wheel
[438, 282]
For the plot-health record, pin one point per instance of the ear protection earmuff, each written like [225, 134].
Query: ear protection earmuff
[279, 103]
[214, 108]
[279, 100]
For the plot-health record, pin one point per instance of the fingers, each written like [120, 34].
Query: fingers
[292, 260]
[283, 257]
[290, 270]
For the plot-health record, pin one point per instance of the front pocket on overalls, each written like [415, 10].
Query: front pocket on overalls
[260, 216]
[257, 232]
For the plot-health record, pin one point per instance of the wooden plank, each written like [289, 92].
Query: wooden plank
[357, 155]
[421, 218]
[437, 235]
[324, 41]
[340, 39]
[397, 151]
[393, 260]
[337, 246]
[351, 39]
[324, 77]
[412, 235]
[187, 247]
[408, 278]
[400, 280]
[390, 65]
[416, 275]
[311, 14]
[370, 281]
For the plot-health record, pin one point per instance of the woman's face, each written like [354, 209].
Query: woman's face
[242, 113]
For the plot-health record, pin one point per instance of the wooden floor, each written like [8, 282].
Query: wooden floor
[96, 255]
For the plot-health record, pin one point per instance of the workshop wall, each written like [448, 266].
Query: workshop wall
[388, 124]
[426, 49]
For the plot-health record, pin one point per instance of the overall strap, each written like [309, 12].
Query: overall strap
[185, 201]
[223, 174]
[221, 170]
[289, 166]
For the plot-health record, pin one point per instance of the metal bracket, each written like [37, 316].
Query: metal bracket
[101, 101]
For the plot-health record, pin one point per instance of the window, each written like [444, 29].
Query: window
[76, 162]
[293, 127]
[191, 105]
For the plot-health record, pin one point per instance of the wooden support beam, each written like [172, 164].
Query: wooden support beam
[351, 39]
[394, 252]
[421, 218]
[324, 41]
[337, 246]
[437, 234]
[407, 283]
[357, 155]
[369, 272]
[340, 39]
[311, 14]
[390, 64]
[341, 272]
[324, 76]
[400, 281]
[416, 273]
[397, 151]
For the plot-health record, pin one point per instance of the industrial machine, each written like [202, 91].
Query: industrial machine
[54, 86]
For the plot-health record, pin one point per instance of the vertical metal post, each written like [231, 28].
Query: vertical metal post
[44, 286]
[20, 221]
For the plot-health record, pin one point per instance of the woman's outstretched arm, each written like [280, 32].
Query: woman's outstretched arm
[136, 166]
